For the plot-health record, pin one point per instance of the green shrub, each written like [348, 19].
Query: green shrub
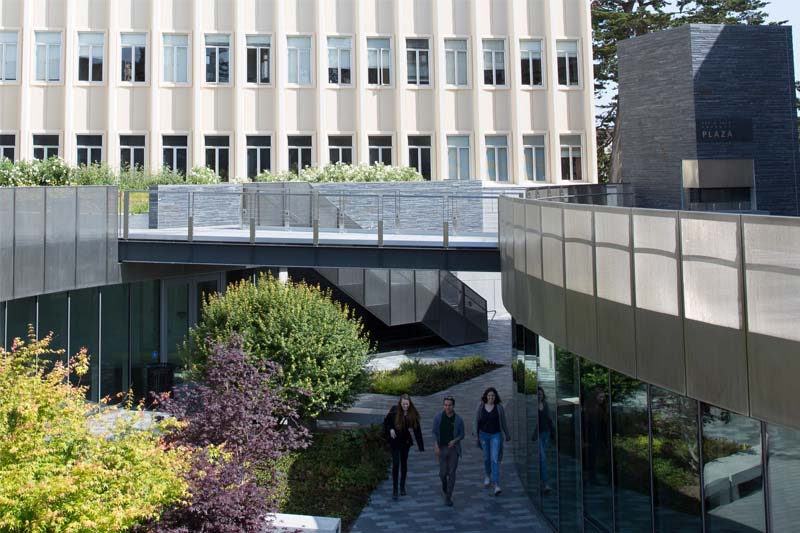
[320, 345]
[340, 172]
[420, 379]
[94, 174]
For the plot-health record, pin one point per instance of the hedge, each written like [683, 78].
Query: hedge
[341, 173]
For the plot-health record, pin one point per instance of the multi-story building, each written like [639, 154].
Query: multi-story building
[460, 89]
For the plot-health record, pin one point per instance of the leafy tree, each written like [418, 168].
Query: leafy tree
[67, 466]
[616, 20]
[240, 425]
[321, 348]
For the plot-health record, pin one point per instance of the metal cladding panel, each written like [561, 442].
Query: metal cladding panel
[377, 293]
[532, 292]
[426, 290]
[616, 337]
[581, 324]
[92, 232]
[351, 280]
[774, 365]
[505, 211]
[659, 324]
[29, 257]
[716, 358]
[579, 280]
[60, 234]
[553, 275]
[518, 250]
[402, 297]
[536, 304]
[522, 305]
[114, 272]
[6, 244]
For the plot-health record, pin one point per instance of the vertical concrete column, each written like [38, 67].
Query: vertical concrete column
[239, 42]
[196, 158]
[360, 65]
[517, 161]
[587, 73]
[26, 74]
[70, 68]
[279, 142]
[439, 79]
[552, 139]
[321, 52]
[113, 73]
[476, 74]
[155, 50]
[400, 82]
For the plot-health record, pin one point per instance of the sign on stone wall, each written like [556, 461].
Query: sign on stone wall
[725, 130]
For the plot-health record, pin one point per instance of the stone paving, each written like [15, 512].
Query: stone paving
[476, 510]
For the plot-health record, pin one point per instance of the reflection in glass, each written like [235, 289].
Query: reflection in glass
[529, 428]
[177, 319]
[84, 326]
[21, 314]
[548, 459]
[784, 477]
[676, 462]
[53, 309]
[145, 332]
[631, 449]
[595, 416]
[114, 343]
[732, 473]
[569, 441]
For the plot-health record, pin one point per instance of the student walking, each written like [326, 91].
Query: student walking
[448, 432]
[401, 427]
[490, 426]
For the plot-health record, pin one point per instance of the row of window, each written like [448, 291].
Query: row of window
[340, 150]
[218, 64]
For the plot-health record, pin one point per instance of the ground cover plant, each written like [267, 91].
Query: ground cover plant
[420, 379]
[349, 464]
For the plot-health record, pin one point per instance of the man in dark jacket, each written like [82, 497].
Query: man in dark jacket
[448, 432]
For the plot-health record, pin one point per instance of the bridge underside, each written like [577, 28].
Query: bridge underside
[475, 259]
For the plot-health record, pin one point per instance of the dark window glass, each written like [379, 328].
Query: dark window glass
[38, 153]
[676, 469]
[114, 375]
[299, 140]
[127, 63]
[175, 140]
[140, 63]
[145, 335]
[217, 140]
[596, 418]
[547, 442]
[21, 313]
[7, 140]
[83, 68]
[85, 333]
[528, 419]
[631, 449]
[732, 474]
[252, 65]
[526, 71]
[90, 140]
[569, 440]
[8, 153]
[536, 72]
[211, 158]
[180, 160]
[500, 76]
[224, 65]
[211, 64]
[573, 70]
[562, 70]
[223, 167]
[372, 76]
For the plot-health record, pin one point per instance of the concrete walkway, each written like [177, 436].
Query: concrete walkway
[476, 510]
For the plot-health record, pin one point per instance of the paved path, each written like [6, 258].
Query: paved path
[476, 510]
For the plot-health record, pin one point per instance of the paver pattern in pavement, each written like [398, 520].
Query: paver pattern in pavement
[476, 509]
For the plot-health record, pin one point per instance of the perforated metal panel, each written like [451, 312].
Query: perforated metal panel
[6, 244]
[61, 233]
[92, 245]
[29, 221]
[402, 296]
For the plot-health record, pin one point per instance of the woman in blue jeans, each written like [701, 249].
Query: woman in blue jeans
[490, 425]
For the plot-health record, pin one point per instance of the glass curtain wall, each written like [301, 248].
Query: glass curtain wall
[568, 411]
[548, 437]
[598, 506]
[529, 431]
[53, 317]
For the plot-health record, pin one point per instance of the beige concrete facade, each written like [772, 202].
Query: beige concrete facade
[298, 98]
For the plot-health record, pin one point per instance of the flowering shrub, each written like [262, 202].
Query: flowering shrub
[340, 172]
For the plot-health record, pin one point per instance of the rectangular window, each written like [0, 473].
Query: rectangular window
[458, 157]
[218, 58]
[299, 60]
[218, 154]
[48, 56]
[175, 152]
[8, 55]
[7, 146]
[259, 155]
[259, 48]
[418, 61]
[380, 150]
[90, 56]
[176, 58]
[531, 62]
[340, 149]
[45, 146]
[299, 152]
[340, 51]
[419, 154]
[379, 61]
[90, 150]
[571, 158]
[456, 61]
[494, 62]
[533, 146]
[567, 53]
[497, 157]
[131, 151]
[134, 57]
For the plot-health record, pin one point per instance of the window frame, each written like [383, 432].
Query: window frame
[420, 149]
[529, 59]
[13, 147]
[572, 148]
[458, 149]
[496, 149]
[484, 51]
[568, 85]
[90, 148]
[92, 49]
[417, 54]
[217, 151]
[300, 150]
[455, 54]
[533, 147]
[351, 147]
[122, 48]
[381, 149]
[248, 147]
[258, 48]
[289, 49]
[3, 79]
[48, 47]
[174, 150]
[132, 148]
[217, 47]
[380, 67]
[173, 48]
[46, 146]
[351, 83]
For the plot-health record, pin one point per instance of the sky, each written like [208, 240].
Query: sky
[788, 10]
